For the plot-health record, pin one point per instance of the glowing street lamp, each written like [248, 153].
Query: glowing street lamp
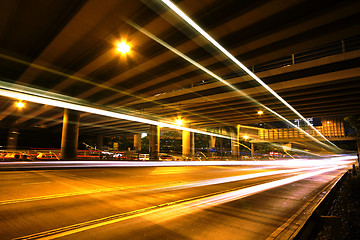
[260, 112]
[20, 104]
[123, 47]
[179, 122]
[246, 137]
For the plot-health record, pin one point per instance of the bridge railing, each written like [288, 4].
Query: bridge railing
[338, 47]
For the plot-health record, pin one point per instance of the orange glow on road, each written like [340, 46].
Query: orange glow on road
[171, 210]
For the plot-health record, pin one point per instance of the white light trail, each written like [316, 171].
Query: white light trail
[240, 178]
[152, 36]
[332, 161]
[171, 187]
[237, 62]
[167, 211]
[73, 106]
[234, 195]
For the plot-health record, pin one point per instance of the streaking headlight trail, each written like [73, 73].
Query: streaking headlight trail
[153, 37]
[237, 62]
[171, 210]
[73, 106]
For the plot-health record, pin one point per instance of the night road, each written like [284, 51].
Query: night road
[172, 202]
[179, 120]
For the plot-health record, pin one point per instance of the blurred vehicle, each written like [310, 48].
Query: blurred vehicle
[144, 157]
[118, 155]
[166, 157]
[107, 155]
[47, 156]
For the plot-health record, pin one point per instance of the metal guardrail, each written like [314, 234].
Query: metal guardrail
[334, 48]
[54, 154]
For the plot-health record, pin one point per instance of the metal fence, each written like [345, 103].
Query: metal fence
[338, 47]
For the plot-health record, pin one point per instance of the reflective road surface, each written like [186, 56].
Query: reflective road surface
[162, 200]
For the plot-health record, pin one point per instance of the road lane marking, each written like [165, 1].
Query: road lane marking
[34, 183]
[190, 204]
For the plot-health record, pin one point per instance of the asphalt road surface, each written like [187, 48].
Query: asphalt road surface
[160, 201]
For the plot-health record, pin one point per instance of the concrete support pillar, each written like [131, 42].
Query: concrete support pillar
[158, 138]
[238, 156]
[99, 141]
[233, 144]
[221, 144]
[137, 142]
[193, 143]
[212, 141]
[12, 139]
[252, 151]
[154, 139]
[70, 134]
[186, 141]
